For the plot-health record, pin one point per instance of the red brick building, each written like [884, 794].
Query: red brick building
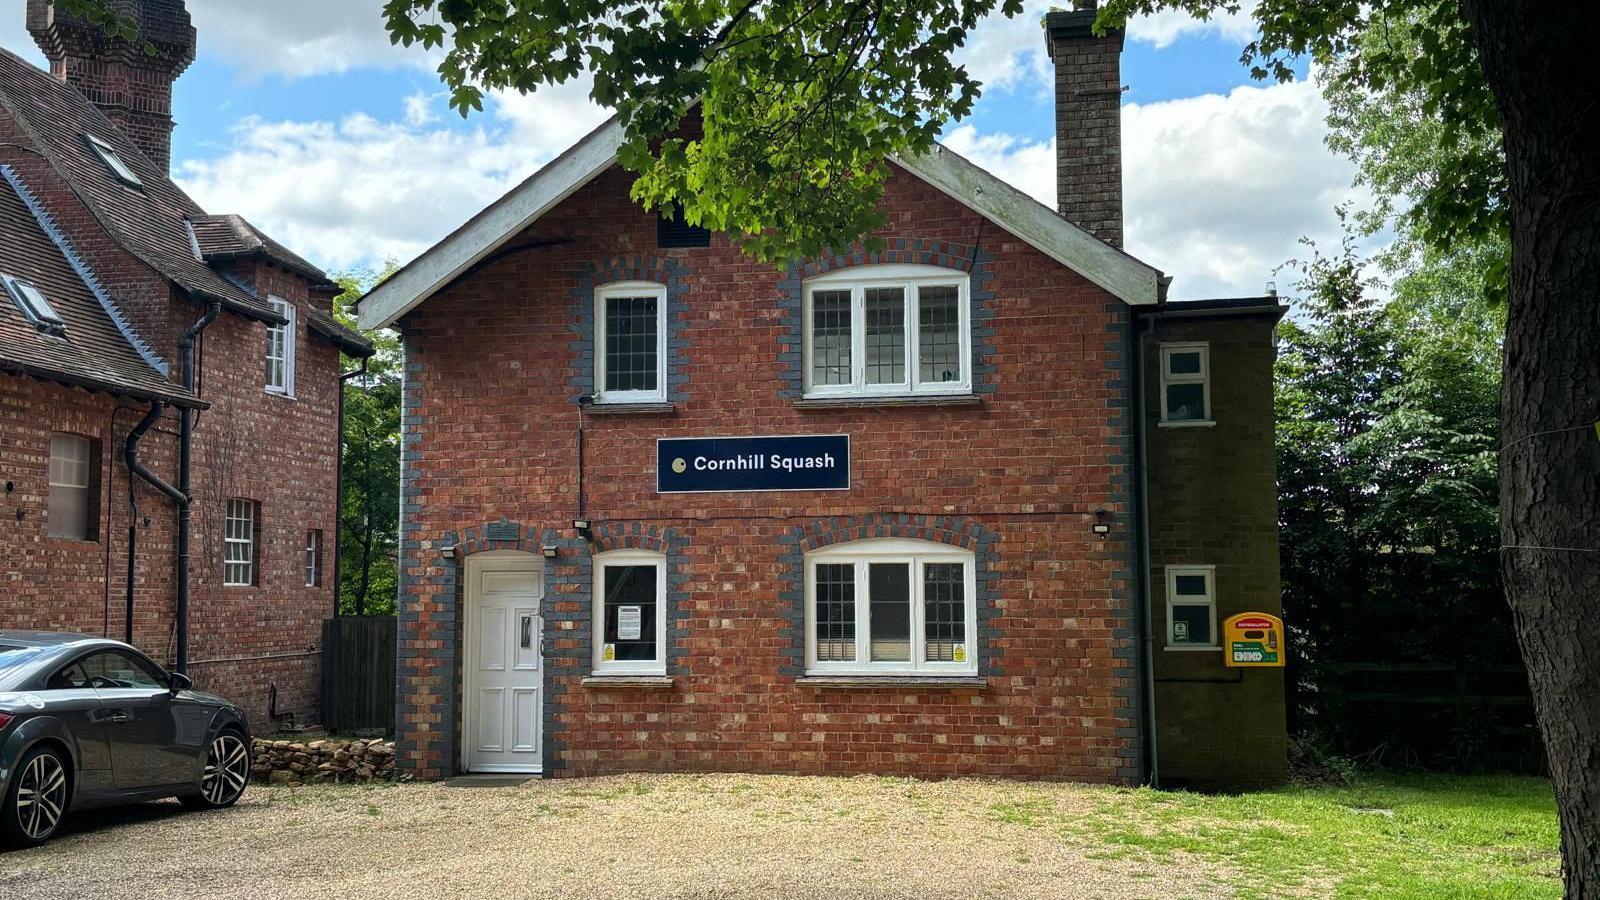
[667, 508]
[134, 325]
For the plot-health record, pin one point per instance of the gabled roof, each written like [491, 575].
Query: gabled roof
[1122, 275]
[228, 237]
[96, 349]
[148, 221]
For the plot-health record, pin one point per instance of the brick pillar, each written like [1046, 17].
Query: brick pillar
[130, 80]
[1088, 121]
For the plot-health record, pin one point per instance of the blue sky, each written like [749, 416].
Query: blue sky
[301, 116]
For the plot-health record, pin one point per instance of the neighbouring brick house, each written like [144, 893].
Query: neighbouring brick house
[667, 508]
[106, 265]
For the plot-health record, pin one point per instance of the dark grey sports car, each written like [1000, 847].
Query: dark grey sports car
[86, 721]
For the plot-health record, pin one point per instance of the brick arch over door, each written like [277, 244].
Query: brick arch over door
[431, 646]
[972, 259]
[955, 531]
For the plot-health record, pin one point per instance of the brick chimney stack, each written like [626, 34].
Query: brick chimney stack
[1088, 121]
[131, 81]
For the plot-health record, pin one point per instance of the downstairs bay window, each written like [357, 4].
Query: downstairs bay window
[891, 607]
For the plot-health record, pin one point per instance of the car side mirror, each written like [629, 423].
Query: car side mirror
[177, 681]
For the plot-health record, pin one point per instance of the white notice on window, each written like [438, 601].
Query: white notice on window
[629, 619]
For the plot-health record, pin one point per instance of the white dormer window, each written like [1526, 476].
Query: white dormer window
[630, 334]
[888, 330]
[33, 304]
[280, 350]
[114, 162]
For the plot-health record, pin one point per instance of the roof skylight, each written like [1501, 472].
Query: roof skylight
[114, 162]
[34, 306]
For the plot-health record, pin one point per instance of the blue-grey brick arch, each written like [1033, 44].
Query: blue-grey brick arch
[977, 262]
[952, 530]
[672, 273]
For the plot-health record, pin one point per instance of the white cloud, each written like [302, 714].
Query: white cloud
[1218, 189]
[295, 38]
[1169, 25]
[359, 190]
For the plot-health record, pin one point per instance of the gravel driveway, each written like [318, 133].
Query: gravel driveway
[640, 836]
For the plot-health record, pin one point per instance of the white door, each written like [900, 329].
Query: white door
[505, 672]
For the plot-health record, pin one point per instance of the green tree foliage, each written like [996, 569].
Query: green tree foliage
[369, 511]
[801, 101]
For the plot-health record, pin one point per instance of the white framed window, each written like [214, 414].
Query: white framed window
[31, 300]
[630, 602]
[888, 330]
[1192, 608]
[314, 557]
[888, 606]
[240, 539]
[71, 513]
[280, 350]
[113, 161]
[1185, 384]
[630, 342]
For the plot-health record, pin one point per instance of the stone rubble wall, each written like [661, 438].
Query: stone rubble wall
[311, 762]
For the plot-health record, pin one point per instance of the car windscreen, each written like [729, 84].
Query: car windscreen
[16, 662]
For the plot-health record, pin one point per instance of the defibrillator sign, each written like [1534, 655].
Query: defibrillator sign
[1253, 639]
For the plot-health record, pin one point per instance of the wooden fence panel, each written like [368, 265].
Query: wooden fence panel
[358, 673]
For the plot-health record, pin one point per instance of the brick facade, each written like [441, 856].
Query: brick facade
[1017, 475]
[1088, 97]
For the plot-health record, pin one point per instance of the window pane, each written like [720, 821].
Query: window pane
[1184, 363]
[117, 670]
[1190, 585]
[886, 335]
[830, 337]
[938, 335]
[1186, 402]
[945, 612]
[1191, 623]
[630, 609]
[68, 514]
[631, 343]
[889, 594]
[836, 612]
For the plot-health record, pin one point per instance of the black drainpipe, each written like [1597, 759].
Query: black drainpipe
[181, 495]
[338, 484]
[185, 457]
[130, 456]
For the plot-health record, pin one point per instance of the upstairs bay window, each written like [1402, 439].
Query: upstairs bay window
[888, 330]
[891, 607]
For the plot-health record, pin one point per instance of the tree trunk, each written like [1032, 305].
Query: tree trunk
[1542, 61]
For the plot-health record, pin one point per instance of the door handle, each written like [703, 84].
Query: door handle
[527, 632]
[118, 716]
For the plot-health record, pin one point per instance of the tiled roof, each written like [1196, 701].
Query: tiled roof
[95, 350]
[352, 342]
[148, 221]
[229, 236]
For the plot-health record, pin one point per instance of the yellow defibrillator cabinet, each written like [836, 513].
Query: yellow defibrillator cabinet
[1253, 639]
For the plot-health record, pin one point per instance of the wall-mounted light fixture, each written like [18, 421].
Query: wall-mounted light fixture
[1100, 526]
[581, 526]
[549, 551]
[448, 551]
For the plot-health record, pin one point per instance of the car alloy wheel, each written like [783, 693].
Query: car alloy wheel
[227, 770]
[41, 796]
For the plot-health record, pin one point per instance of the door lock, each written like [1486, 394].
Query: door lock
[527, 632]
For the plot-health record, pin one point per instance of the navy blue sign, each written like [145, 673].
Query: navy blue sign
[802, 463]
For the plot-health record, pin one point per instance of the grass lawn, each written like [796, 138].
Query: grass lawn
[1431, 836]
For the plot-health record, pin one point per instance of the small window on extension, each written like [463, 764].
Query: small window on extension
[672, 231]
[113, 161]
[33, 304]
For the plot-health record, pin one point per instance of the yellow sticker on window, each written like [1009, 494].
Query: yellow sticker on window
[961, 653]
[610, 653]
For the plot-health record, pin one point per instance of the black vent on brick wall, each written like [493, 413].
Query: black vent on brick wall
[672, 231]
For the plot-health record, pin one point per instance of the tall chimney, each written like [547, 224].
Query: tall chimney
[130, 80]
[1088, 121]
